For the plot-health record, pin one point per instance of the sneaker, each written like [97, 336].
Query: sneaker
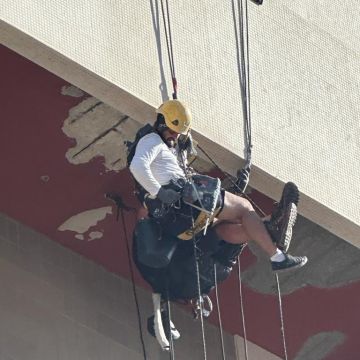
[165, 320]
[290, 194]
[283, 217]
[281, 234]
[290, 262]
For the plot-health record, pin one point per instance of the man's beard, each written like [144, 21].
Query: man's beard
[170, 142]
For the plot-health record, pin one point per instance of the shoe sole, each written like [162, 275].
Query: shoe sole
[290, 194]
[303, 262]
[286, 235]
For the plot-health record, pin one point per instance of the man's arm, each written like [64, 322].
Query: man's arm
[146, 151]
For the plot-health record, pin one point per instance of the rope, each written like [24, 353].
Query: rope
[171, 339]
[281, 316]
[219, 314]
[199, 287]
[233, 183]
[242, 46]
[169, 46]
[241, 298]
[132, 280]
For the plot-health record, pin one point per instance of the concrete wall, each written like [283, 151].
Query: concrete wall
[304, 75]
[56, 305]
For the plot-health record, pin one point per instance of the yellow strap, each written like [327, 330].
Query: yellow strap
[199, 225]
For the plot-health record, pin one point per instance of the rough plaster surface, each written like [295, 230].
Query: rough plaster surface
[332, 262]
[320, 345]
[82, 222]
[99, 131]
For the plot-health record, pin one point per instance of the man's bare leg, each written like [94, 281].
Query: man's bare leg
[239, 221]
[249, 225]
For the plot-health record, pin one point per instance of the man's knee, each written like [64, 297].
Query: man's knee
[237, 201]
[247, 205]
[235, 207]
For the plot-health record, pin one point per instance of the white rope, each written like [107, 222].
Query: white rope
[200, 299]
[219, 314]
[172, 351]
[242, 309]
[199, 287]
[281, 317]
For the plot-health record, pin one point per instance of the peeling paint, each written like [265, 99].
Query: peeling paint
[73, 91]
[95, 235]
[318, 346]
[82, 222]
[99, 131]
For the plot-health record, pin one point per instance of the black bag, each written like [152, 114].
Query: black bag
[178, 280]
[153, 250]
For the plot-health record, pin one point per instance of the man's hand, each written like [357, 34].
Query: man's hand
[243, 179]
[168, 196]
[186, 143]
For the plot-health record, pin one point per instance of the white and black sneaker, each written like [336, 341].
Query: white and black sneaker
[284, 217]
[289, 263]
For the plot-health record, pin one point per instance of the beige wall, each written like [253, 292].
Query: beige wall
[305, 73]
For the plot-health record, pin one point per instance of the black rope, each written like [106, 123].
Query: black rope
[132, 277]
[169, 45]
[219, 314]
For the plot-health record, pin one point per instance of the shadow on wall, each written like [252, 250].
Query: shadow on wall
[333, 262]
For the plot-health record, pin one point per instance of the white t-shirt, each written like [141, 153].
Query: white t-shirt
[155, 164]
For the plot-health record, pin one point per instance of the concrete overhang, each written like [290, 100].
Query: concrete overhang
[223, 150]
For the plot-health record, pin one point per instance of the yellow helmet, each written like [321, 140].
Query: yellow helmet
[177, 116]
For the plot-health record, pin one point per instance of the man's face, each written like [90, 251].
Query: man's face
[170, 137]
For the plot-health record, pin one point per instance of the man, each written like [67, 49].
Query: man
[159, 166]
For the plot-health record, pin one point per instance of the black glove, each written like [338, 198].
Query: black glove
[168, 196]
[242, 180]
[185, 142]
